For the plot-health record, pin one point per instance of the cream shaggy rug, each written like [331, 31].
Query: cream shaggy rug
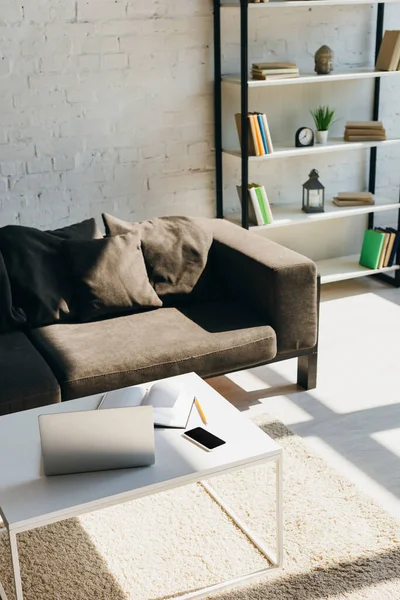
[338, 543]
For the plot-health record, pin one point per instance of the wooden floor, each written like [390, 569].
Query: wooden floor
[352, 418]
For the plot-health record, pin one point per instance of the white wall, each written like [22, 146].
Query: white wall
[106, 105]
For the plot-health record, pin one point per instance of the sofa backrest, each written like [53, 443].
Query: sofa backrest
[38, 282]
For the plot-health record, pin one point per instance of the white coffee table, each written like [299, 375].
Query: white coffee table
[28, 499]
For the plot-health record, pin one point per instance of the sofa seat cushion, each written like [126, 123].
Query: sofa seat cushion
[26, 379]
[209, 339]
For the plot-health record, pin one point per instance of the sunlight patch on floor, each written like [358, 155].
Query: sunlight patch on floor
[387, 500]
[358, 351]
[352, 418]
[248, 381]
[281, 407]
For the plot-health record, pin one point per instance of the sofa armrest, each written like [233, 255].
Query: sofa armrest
[278, 283]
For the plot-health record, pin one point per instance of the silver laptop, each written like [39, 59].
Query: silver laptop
[97, 440]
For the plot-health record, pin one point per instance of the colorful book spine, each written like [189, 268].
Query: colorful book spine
[250, 208]
[395, 247]
[256, 206]
[254, 135]
[263, 135]
[258, 135]
[262, 206]
[381, 263]
[371, 248]
[267, 134]
[267, 204]
[392, 238]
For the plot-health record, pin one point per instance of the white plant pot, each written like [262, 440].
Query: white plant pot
[321, 136]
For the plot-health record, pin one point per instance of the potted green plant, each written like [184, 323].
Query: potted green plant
[323, 119]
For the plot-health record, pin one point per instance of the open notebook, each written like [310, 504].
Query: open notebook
[171, 400]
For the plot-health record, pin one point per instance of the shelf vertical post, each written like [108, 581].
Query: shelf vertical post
[375, 110]
[244, 108]
[218, 109]
[396, 281]
[372, 167]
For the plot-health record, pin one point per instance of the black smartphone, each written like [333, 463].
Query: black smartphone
[203, 438]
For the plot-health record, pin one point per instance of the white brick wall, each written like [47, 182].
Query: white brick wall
[106, 105]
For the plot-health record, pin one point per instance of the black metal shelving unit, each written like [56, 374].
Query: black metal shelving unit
[243, 7]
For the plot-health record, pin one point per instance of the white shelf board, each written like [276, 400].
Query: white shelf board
[300, 3]
[288, 214]
[339, 75]
[333, 145]
[346, 267]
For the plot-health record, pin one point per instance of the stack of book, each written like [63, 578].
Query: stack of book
[259, 207]
[364, 131]
[274, 70]
[259, 140]
[353, 199]
[389, 52]
[380, 247]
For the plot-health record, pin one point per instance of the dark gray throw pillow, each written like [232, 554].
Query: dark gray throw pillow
[38, 272]
[85, 230]
[110, 276]
[175, 250]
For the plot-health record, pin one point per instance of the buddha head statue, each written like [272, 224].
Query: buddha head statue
[323, 60]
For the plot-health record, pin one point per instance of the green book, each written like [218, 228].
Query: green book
[262, 206]
[371, 248]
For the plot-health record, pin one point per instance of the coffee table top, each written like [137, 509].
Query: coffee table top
[30, 499]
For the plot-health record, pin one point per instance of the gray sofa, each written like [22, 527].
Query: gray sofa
[255, 302]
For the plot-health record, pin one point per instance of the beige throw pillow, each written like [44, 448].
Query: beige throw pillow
[175, 250]
[110, 276]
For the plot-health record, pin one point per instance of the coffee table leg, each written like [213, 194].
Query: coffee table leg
[279, 511]
[2, 592]
[276, 558]
[15, 565]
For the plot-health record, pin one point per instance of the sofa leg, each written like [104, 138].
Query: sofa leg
[307, 371]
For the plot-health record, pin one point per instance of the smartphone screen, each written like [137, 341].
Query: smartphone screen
[204, 438]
